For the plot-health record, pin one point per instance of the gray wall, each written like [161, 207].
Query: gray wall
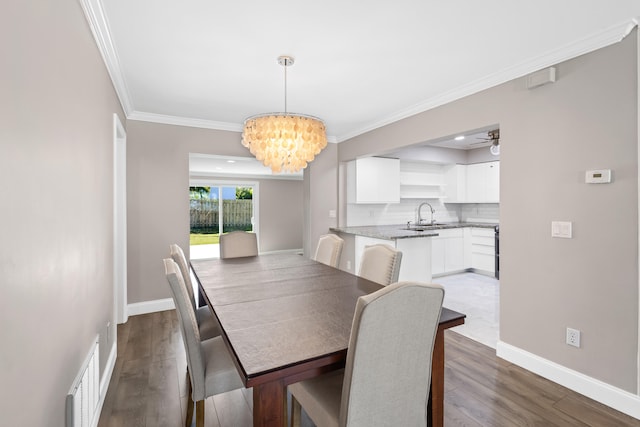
[158, 200]
[56, 221]
[550, 136]
[321, 187]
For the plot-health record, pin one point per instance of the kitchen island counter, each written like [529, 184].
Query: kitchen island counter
[400, 231]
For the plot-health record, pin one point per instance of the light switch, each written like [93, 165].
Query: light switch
[561, 229]
[332, 213]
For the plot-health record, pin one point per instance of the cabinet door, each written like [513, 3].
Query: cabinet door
[456, 183]
[376, 180]
[476, 188]
[483, 182]
[454, 254]
[493, 182]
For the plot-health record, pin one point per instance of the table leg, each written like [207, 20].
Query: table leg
[436, 404]
[269, 404]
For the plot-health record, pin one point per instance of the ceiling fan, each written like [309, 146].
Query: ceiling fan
[493, 136]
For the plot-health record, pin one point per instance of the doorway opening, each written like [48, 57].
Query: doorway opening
[217, 207]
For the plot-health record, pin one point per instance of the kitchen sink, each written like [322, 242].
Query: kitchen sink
[423, 227]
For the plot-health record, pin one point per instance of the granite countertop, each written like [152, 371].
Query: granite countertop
[400, 231]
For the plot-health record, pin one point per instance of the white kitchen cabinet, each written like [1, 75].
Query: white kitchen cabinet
[483, 250]
[476, 183]
[373, 180]
[447, 253]
[415, 264]
[483, 183]
[455, 177]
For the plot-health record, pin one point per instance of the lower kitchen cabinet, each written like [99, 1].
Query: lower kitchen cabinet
[447, 254]
[483, 250]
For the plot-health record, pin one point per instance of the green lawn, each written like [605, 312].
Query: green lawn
[204, 239]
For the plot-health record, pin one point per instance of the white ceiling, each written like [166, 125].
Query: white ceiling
[359, 64]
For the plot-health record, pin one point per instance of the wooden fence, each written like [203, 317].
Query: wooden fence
[205, 215]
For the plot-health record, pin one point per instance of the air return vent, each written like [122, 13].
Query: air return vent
[82, 400]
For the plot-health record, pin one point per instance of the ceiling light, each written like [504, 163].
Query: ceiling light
[494, 137]
[495, 148]
[231, 161]
[459, 138]
[284, 141]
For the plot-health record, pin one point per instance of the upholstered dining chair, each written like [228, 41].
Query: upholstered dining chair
[380, 264]
[207, 324]
[238, 244]
[210, 368]
[386, 379]
[329, 250]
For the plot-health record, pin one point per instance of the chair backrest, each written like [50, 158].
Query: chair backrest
[388, 370]
[188, 327]
[380, 264]
[329, 250]
[238, 244]
[178, 257]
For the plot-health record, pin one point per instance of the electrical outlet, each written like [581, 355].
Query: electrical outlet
[349, 265]
[573, 337]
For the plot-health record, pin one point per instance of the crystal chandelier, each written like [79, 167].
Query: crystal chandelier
[284, 141]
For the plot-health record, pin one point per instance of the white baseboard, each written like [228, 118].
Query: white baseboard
[150, 306]
[105, 379]
[597, 390]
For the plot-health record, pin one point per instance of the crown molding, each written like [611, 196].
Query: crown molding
[183, 121]
[97, 20]
[190, 122]
[572, 50]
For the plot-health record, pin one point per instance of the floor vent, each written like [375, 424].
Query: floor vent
[82, 400]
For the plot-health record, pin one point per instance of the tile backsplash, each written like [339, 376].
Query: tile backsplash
[400, 213]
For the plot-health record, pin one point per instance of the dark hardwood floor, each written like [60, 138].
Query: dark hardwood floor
[148, 387]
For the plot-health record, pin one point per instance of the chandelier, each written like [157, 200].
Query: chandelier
[284, 141]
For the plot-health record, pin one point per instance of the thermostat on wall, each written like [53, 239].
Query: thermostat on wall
[600, 176]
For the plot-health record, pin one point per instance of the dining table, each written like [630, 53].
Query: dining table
[286, 318]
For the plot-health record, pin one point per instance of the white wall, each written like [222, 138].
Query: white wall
[56, 221]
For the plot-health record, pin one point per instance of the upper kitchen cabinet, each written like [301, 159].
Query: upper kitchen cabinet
[373, 180]
[483, 182]
[420, 180]
[476, 183]
[456, 183]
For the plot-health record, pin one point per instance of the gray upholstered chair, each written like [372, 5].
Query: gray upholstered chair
[329, 250]
[238, 244]
[207, 323]
[380, 264]
[210, 368]
[386, 379]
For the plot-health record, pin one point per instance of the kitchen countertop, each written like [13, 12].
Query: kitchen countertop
[399, 231]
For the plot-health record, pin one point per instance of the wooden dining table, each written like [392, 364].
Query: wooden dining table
[286, 318]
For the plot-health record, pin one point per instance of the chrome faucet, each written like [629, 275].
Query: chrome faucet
[419, 220]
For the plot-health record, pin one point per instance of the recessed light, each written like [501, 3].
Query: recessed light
[459, 138]
[231, 161]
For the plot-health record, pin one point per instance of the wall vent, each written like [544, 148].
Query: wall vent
[82, 400]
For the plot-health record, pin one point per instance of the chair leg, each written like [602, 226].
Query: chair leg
[200, 413]
[189, 403]
[295, 412]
